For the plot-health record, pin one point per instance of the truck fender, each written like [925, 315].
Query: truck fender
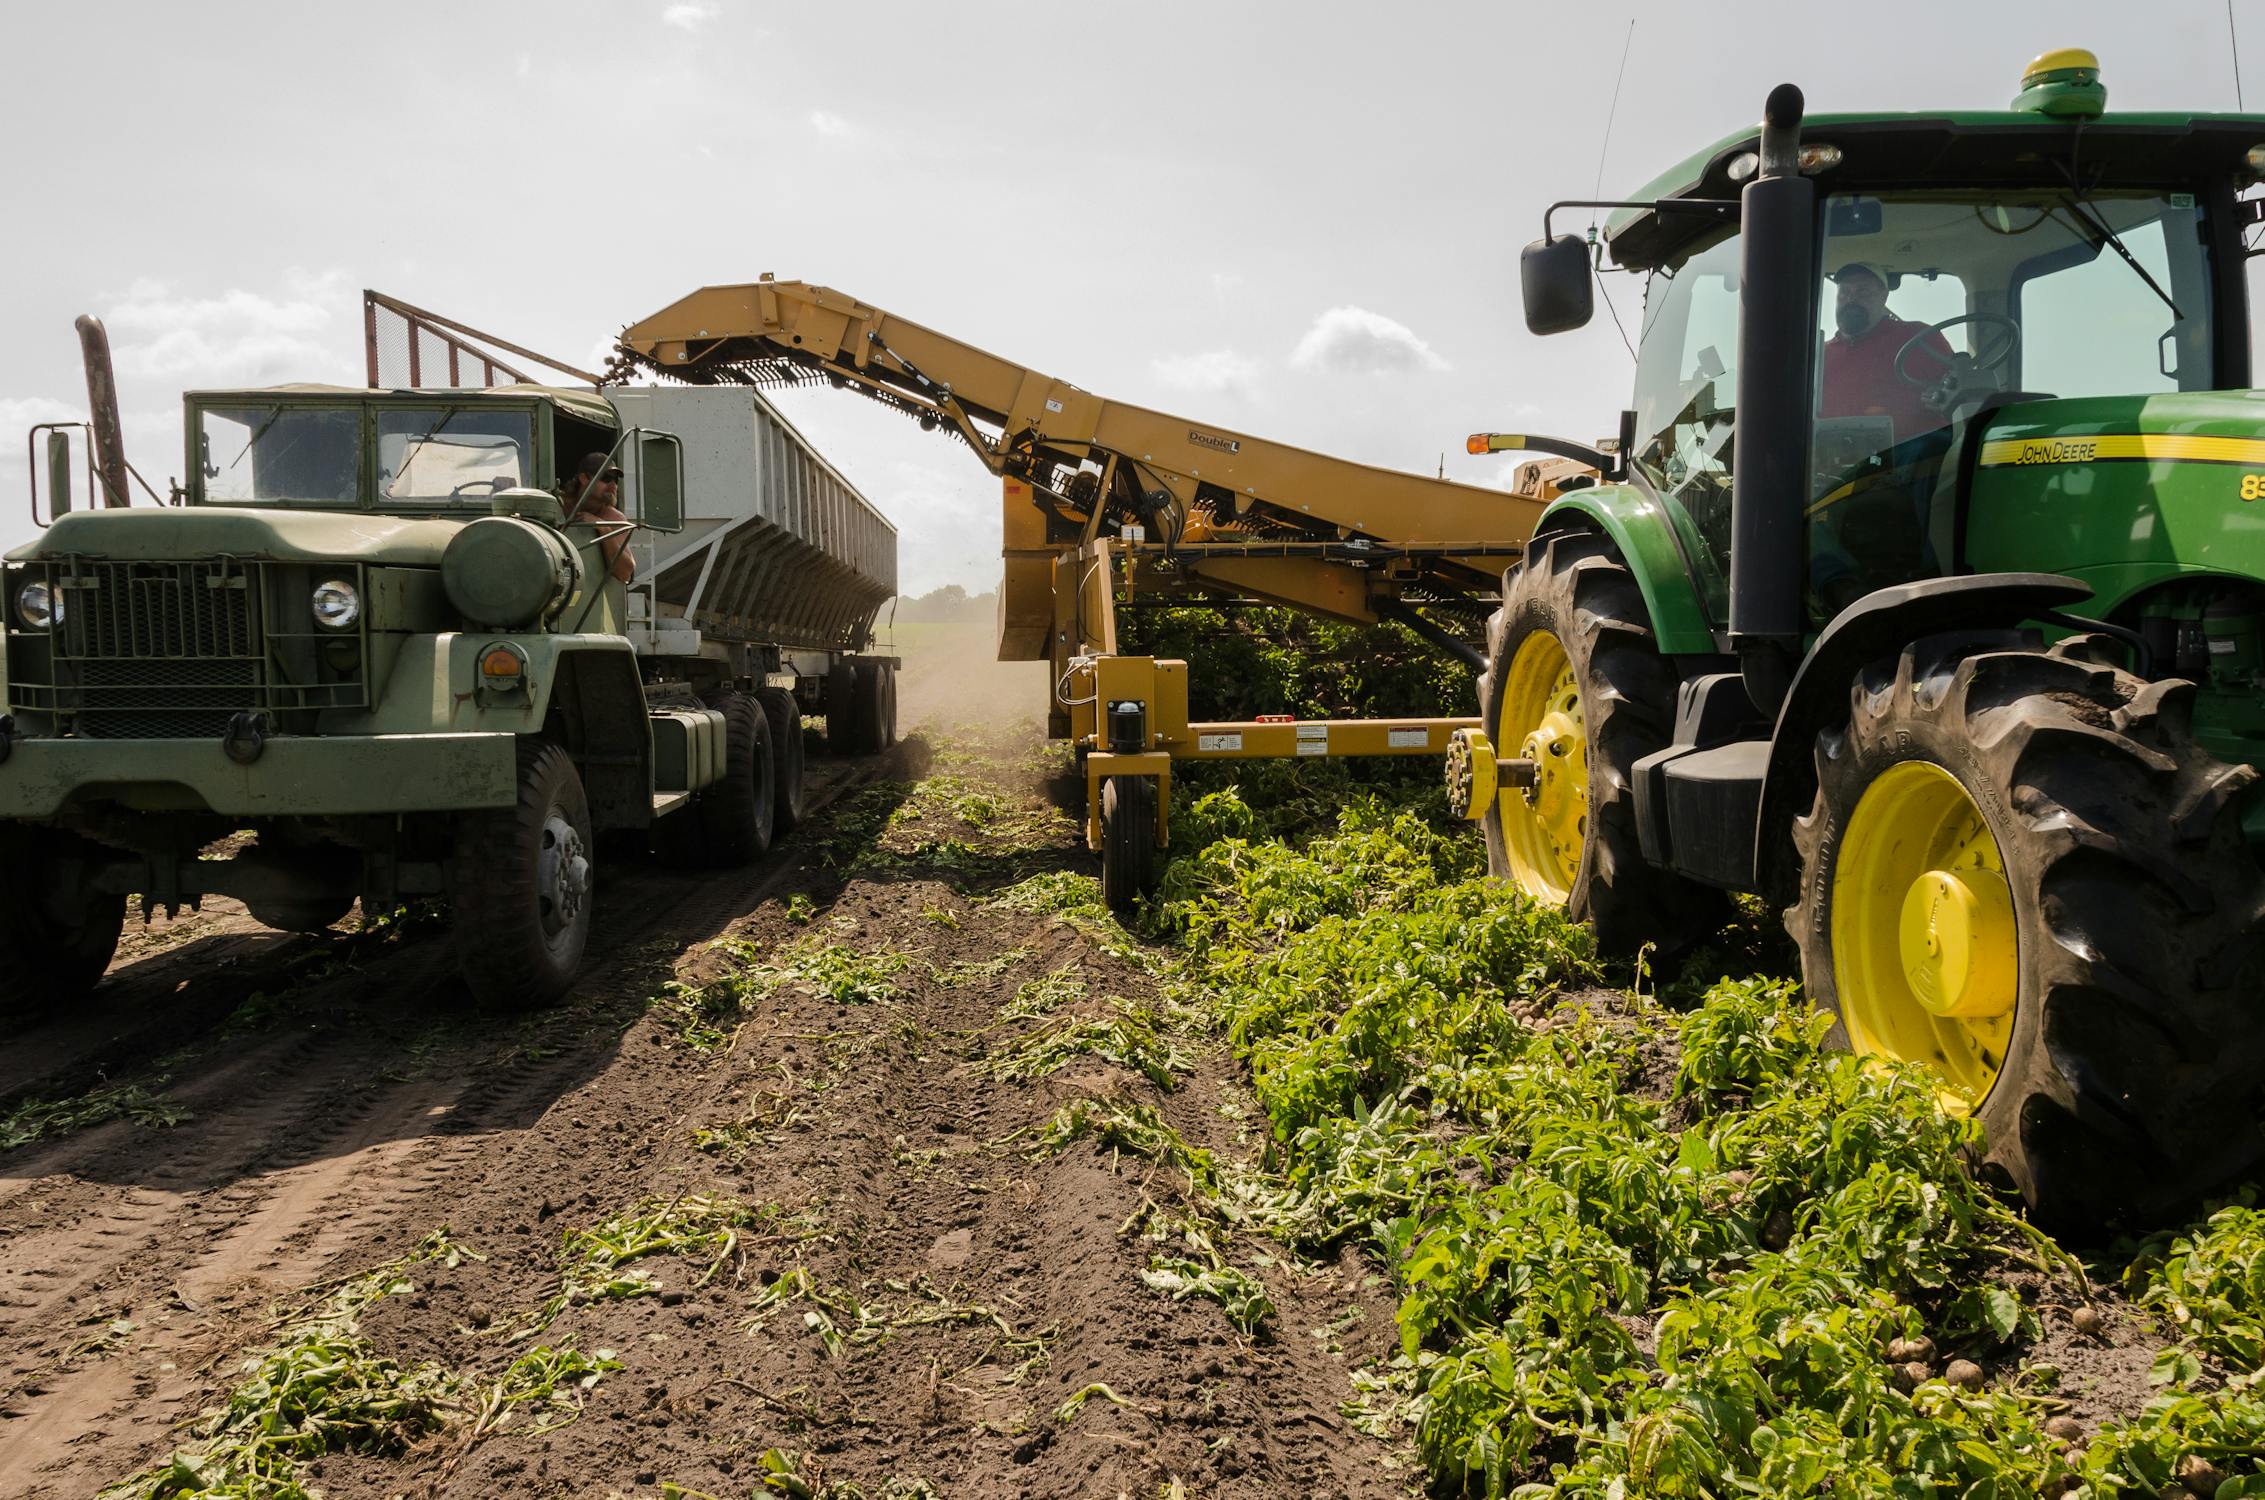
[595, 707]
[1640, 528]
[1874, 626]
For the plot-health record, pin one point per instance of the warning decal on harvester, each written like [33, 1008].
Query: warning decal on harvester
[1407, 739]
[1313, 739]
[1219, 742]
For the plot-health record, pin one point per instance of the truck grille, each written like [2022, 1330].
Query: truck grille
[174, 650]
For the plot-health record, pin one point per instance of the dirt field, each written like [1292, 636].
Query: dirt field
[835, 1234]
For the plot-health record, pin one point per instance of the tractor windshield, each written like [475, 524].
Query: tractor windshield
[1934, 304]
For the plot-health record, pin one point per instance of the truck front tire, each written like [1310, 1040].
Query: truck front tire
[520, 886]
[56, 938]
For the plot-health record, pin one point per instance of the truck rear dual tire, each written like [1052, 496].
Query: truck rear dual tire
[521, 884]
[1575, 680]
[785, 717]
[2021, 872]
[54, 946]
[732, 822]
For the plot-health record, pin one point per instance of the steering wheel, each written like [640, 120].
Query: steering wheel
[1960, 369]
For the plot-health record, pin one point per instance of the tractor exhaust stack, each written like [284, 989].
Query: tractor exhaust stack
[1770, 467]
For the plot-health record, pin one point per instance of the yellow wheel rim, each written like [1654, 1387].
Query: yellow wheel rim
[1544, 825]
[1924, 953]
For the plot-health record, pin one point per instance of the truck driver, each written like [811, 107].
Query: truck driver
[591, 493]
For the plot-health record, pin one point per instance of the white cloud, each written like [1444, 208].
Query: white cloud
[1355, 341]
[691, 15]
[20, 412]
[831, 125]
[299, 331]
[1212, 370]
[523, 66]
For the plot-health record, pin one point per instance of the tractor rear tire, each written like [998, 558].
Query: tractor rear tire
[786, 759]
[736, 814]
[1128, 840]
[520, 887]
[2128, 925]
[1573, 604]
[53, 949]
[841, 705]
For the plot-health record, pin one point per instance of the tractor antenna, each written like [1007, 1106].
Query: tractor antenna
[2233, 41]
[1604, 151]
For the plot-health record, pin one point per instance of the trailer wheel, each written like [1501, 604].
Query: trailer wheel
[521, 884]
[1575, 681]
[841, 706]
[1128, 840]
[873, 720]
[54, 946]
[786, 759]
[736, 814]
[888, 705]
[2022, 873]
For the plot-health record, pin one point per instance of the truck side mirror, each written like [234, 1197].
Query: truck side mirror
[1554, 275]
[660, 480]
[58, 472]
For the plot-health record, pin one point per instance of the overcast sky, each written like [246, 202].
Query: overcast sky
[1300, 220]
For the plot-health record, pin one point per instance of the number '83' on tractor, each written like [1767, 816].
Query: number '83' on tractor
[1923, 594]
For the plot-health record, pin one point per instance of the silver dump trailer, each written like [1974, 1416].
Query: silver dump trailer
[781, 565]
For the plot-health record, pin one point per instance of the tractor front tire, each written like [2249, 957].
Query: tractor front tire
[54, 945]
[520, 886]
[2021, 872]
[1575, 680]
[1128, 840]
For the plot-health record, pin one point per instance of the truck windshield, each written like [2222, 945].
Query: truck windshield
[274, 453]
[442, 455]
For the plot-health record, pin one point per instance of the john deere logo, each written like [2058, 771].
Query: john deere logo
[2057, 451]
[1216, 444]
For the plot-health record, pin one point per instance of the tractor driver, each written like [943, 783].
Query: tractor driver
[1860, 377]
[590, 495]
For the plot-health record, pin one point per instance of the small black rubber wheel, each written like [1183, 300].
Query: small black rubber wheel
[1575, 681]
[786, 759]
[520, 887]
[841, 706]
[1128, 840]
[872, 719]
[2022, 872]
[737, 812]
[54, 944]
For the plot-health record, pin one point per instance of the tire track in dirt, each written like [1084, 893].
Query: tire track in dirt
[303, 1148]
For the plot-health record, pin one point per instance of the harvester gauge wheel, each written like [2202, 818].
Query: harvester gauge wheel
[2022, 874]
[1574, 694]
[1128, 840]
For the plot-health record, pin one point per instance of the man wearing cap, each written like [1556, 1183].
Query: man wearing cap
[1860, 378]
[590, 493]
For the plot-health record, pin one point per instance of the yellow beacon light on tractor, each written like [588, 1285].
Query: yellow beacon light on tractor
[2063, 83]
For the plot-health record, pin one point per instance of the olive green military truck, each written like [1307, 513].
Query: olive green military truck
[366, 652]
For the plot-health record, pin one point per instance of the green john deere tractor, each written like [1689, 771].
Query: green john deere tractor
[1923, 594]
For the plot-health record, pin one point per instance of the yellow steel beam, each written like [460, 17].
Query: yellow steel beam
[1277, 740]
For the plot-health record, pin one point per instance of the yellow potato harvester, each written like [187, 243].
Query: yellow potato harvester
[1101, 499]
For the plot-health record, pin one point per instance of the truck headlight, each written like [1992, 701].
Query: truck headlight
[337, 604]
[39, 605]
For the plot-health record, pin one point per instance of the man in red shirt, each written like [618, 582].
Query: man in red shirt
[1860, 378]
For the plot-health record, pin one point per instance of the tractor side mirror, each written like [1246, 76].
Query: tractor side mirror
[1553, 273]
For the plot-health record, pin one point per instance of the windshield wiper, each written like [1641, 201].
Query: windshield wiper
[2081, 207]
[409, 454]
